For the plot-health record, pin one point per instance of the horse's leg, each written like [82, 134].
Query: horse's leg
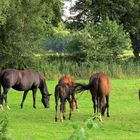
[103, 105]
[4, 96]
[100, 108]
[61, 111]
[56, 108]
[70, 108]
[76, 102]
[34, 97]
[94, 105]
[65, 106]
[107, 106]
[24, 97]
[77, 108]
[64, 110]
[94, 101]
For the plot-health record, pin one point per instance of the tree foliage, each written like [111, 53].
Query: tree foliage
[103, 42]
[24, 25]
[58, 41]
[126, 12]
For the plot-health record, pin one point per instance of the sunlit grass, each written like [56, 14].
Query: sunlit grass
[38, 124]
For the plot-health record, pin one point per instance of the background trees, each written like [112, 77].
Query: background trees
[126, 12]
[24, 25]
[99, 32]
[103, 42]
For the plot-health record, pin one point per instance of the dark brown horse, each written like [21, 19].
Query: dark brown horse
[99, 86]
[24, 80]
[65, 91]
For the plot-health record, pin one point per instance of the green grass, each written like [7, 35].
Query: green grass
[38, 124]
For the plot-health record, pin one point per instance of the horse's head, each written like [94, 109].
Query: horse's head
[45, 101]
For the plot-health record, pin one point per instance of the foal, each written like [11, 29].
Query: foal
[65, 91]
[72, 85]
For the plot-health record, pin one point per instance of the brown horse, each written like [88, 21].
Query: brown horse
[73, 86]
[99, 86]
[67, 80]
[24, 80]
[65, 91]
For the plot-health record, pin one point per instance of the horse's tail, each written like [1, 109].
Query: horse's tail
[81, 87]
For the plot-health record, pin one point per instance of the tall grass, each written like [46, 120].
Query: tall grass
[54, 69]
[3, 126]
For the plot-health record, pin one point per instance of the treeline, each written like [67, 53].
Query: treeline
[34, 35]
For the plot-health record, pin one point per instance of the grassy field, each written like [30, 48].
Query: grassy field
[38, 124]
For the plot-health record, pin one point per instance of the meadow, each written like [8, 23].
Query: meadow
[38, 124]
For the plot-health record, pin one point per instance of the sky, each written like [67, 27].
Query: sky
[67, 5]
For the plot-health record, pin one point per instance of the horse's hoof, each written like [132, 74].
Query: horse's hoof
[103, 114]
[94, 118]
[21, 106]
[108, 115]
[55, 119]
[8, 107]
[64, 117]
[77, 110]
[61, 120]
[34, 107]
[1, 107]
[100, 119]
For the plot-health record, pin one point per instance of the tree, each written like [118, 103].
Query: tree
[125, 12]
[24, 25]
[53, 12]
[57, 42]
[102, 42]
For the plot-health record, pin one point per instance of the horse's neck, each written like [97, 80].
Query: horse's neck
[43, 88]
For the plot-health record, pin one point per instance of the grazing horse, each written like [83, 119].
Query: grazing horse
[73, 86]
[99, 86]
[65, 91]
[24, 80]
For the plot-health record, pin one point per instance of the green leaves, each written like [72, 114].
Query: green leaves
[75, 126]
[80, 132]
[91, 124]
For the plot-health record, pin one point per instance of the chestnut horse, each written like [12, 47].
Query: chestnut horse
[65, 91]
[23, 80]
[99, 86]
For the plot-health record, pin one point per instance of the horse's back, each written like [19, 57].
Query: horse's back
[103, 83]
[8, 77]
[20, 79]
[62, 90]
[66, 80]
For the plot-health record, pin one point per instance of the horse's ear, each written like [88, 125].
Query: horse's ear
[49, 94]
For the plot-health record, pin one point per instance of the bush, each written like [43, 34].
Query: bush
[103, 42]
